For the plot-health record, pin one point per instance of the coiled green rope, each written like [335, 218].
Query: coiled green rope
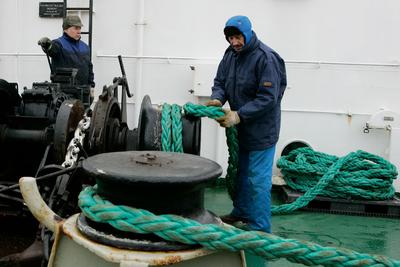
[356, 175]
[221, 237]
[359, 174]
[171, 126]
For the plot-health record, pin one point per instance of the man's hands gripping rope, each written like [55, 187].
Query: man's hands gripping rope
[230, 118]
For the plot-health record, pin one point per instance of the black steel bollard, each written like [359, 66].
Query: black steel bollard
[161, 182]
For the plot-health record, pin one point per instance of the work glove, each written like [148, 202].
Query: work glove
[213, 103]
[45, 43]
[230, 119]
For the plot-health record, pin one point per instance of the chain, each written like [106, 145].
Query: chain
[74, 146]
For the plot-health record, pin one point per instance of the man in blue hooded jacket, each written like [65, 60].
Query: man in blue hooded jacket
[69, 51]
[252, 78]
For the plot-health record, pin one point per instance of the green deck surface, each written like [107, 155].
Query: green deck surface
[373, 235]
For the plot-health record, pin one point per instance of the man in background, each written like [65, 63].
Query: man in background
[69, 51]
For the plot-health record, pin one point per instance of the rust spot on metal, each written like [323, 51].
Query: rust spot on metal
[57, 218]
[148, 159]
[349, 118]
[168, 260]
[68, 234]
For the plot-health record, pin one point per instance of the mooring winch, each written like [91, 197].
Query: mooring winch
[38, 129]
[43, 116]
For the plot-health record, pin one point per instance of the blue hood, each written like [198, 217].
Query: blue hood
[243, 24]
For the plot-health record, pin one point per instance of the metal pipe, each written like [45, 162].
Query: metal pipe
[90, 27]
[343, 63]
[18, 54]
[18, 30]
[19, 136]
[372, 64]
[157, 57]
[140, 24]
[12, 198]
[36, 204]
[168, 58]
[349, 114]
[44, 177]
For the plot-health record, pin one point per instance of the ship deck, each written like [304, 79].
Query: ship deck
[372, 235]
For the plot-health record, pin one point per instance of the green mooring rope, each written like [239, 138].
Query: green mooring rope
[221, 237]
[358, 174]
[171, 136]
[171, 125]
[304, 170]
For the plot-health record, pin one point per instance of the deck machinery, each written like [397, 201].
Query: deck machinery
[36, 129]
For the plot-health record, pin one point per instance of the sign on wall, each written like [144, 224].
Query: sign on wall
[51, 9]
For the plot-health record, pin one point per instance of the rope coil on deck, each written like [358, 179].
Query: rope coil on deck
[215, 237]
[356, 175]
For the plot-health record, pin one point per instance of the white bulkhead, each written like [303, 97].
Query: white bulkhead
[342, 59]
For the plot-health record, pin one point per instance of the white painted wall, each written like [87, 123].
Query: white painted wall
[342, 59]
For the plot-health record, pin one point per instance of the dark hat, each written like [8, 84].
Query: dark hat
[71, 20]
[231, 30]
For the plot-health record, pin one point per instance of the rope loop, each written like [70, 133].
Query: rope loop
[171, 137]
[166, 123]
[221, 237]
[176, 116]
[357, 175]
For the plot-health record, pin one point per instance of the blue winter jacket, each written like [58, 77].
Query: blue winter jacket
[253, 81]
[66, 52]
